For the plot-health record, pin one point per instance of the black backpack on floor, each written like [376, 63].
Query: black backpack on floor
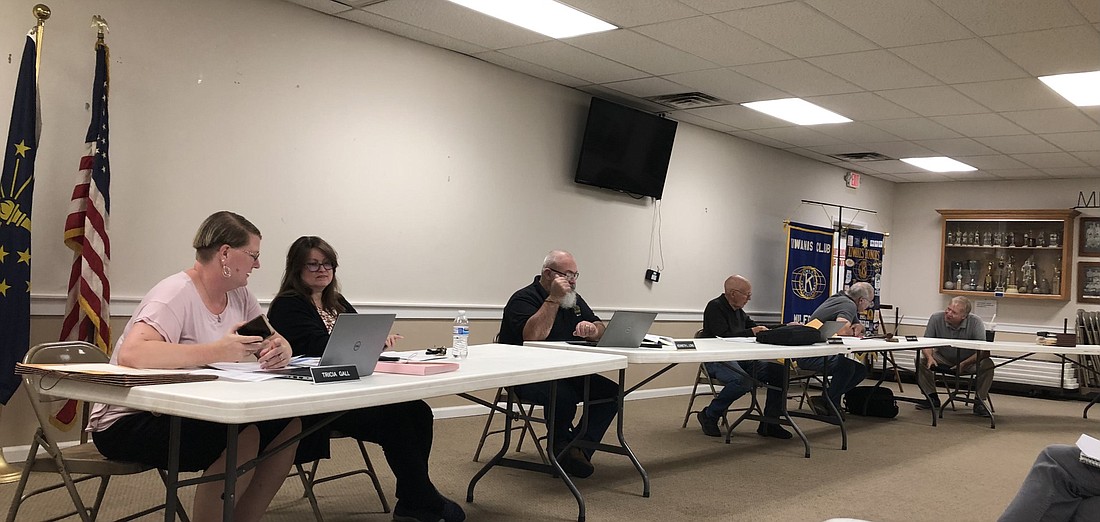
[871, 401]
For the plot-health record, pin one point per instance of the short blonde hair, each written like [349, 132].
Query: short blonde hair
[222, 228]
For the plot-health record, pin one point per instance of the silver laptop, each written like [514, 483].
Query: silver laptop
[356, 339]
[624, 330]
[830, 328]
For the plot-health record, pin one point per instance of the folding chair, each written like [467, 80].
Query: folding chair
[525, 414]
[82, 459]
[712, 387]
[962, 387]
[309, 478]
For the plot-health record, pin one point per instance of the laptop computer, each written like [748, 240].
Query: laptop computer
[356, 339]
[624, 330]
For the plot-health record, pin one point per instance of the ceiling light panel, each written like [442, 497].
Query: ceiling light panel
[542, 16]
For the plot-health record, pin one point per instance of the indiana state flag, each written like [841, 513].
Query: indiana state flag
[16, 188]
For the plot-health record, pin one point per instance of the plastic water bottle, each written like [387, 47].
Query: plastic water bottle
[459, 346]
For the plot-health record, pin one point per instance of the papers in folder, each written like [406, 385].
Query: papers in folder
[1090, 450]
[111, 374]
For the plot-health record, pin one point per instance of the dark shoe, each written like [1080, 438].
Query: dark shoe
[576, 464]
[450, 512]
[773, 430]
[979, 410]
[820, 407]
[925, 405]
[709, 425]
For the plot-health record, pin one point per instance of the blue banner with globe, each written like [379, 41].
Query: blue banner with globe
[809, 267]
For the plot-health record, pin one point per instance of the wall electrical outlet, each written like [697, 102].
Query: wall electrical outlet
[652, 275]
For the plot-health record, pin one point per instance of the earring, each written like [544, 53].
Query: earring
[226, 272]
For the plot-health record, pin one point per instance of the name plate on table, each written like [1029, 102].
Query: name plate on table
[685, 345]
[910, 338]
[334, 373]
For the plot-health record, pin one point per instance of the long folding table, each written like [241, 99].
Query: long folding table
[716, 350]
[235, 403]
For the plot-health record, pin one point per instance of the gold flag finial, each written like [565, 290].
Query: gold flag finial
[100, 25]
[42, 13]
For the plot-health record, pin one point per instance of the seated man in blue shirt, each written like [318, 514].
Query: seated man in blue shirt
[725, 316]
[844, 373]
[956, 322]
[550, 309]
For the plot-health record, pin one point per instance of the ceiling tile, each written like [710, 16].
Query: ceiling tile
[574, 62]
[739, 117]
[1019, 174]
[875, 70]
[893, 23]
[974, 175]
[800, 136]
[1091, 158]
[811, 154]
[727, 85]
[957, 147]
[915, 129]
[630, 13]
[899, 149]
[1024, 144]
[933, 101]
[410, 31]
[457, 22]
[856, 132]
[646, 87]
[718, 6]
[538, 71]
[980, 125]
[686, 117]
[324, 6]
[1075, 141]
[763, 140]
[1053, 51]
[797, 77]
[862, 106]
[992, 162]
[961, 61]
[1049, 121]
[924, 177]
[837, 148]
[1043, 160]
[600, 91]
[640, 52]
[713, 41]
[1073, 172]
[797, 29]
[892, 178]
[1013, 95]
[1088, 8]
[989, 17]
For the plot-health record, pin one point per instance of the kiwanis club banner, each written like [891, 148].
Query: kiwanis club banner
[809, 261]
[863, 262]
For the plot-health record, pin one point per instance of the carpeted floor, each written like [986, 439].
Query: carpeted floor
[899, 469]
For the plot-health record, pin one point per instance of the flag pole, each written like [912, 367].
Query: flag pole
[9, 473]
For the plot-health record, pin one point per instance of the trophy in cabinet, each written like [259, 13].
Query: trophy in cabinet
[1010, 278]
[972, 268]
[1027, 277]
[950, 237]
[988, 283]
[1000, 275]
[1056, 279]
[1052, 240]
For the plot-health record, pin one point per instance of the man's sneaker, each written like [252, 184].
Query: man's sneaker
[819, 406]
[709, 424]
[773, 430]
[979, 410]
[576, 464]
[450, 512]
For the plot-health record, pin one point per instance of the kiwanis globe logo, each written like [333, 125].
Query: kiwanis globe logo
[807, 282]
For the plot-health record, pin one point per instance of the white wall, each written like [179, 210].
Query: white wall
[442, 180]
[914, 284]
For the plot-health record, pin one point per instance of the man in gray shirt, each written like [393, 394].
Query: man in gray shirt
[956, 322]
[844, 373]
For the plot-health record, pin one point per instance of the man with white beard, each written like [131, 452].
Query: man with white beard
[549, 309]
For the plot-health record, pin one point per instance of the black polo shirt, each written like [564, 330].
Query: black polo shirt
[527, 301]
[721, 320]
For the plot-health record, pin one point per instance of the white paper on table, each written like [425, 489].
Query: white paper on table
[738, 339]
[236, 375]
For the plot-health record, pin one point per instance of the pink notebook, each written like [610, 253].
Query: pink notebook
[416, 368]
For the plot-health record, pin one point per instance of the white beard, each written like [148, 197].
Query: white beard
[569, 300]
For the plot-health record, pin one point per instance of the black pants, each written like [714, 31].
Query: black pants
[571, 392]
[404, 431]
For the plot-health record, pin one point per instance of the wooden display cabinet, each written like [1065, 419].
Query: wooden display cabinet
[1024, 254]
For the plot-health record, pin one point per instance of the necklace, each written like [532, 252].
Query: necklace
[209, 298]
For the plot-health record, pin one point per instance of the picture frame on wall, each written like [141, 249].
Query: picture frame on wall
[1088, 282]
[1088, 244]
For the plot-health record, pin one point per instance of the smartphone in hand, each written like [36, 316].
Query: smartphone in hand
[258, 326]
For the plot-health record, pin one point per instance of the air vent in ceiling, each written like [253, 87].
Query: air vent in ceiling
[861, 156]
[688, 100]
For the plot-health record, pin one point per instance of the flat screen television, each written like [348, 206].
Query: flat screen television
[625, 149]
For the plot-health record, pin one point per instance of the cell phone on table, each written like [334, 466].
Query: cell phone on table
[258, 326]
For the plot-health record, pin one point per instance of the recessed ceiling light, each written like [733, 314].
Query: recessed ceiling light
[939, 164]
[542, 16]
[1081, 89]
[797, 110]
